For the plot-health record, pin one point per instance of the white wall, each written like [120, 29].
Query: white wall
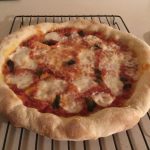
[136, 13]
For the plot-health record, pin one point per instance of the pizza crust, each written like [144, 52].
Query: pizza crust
[100, 124]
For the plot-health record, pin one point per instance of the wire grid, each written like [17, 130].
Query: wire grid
[137, 138]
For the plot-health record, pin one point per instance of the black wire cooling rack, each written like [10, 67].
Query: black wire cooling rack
[11, 138]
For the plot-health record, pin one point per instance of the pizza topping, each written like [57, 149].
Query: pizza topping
[86, 58]
[54, 57]
[96, 46]
[21, 80]
[48, 89]
[130, 65]
[51, 38]
[39, 72]
[70, 62]
[70, 104]
[74, 35]
[111, 61]
[126, 81]
[113, 82]
[123, 79]
[90, 104]
[54, 36]
[56, 102]
[21, 58]
[91, 39]
[127, 86]
[83, 83]
[129, 59]
[50, 42]
[102, 99]
[81, 33]
[98, 75]
[10, 65]
[109, 46]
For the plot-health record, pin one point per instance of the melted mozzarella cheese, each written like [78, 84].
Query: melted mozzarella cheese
[111, 61]
[109, 47]
[129, 60]
[74, 35]
[103, 99]
[112, 80]
[22, 80]
[22, 59]
[53, 57]
[131, 64]
[87, 58]
[84, 83]
[75, 38]
[52, 36]
[91, 39]
[63, 39]
[71, 105]
[49, 88]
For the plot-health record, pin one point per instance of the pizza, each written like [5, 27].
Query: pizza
[75, 80]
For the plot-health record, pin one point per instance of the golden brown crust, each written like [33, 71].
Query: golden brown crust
[99, 124]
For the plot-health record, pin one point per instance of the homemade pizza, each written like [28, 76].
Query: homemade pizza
[75, 80]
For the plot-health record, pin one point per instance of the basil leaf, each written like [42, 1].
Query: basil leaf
[96, 47]
[90, 104]
[123, 79]
[81, 33]
[50, 42]
[39, 72]
[56, 102]
[98, 75]
[127, 86]
[70, 62]
[10, 65]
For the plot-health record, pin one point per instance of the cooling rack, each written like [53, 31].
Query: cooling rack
[137, 138]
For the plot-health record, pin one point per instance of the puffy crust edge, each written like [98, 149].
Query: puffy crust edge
[99, 124]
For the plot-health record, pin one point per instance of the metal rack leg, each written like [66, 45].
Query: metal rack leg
[6, 134]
